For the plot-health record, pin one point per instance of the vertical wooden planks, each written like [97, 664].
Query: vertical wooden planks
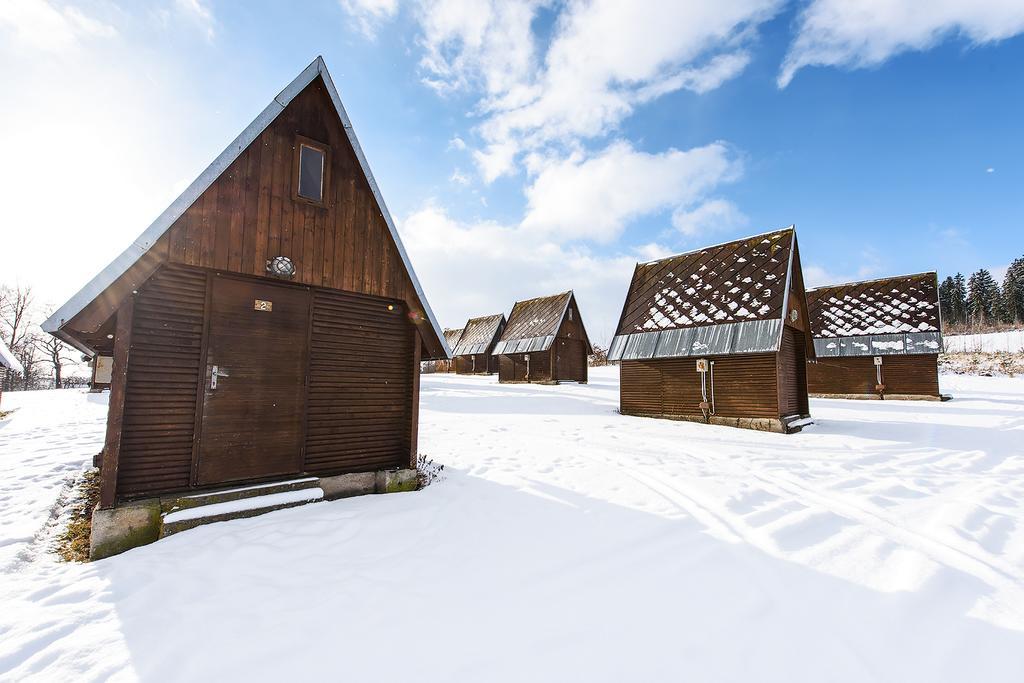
[278, 195]
[263, 204]
[251, 203]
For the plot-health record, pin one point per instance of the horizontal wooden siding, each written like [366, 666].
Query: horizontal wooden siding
[162, 382]
[745, 386]
[916, 375]
[360, 390]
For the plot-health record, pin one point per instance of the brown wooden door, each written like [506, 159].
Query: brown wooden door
[792, 369]
[568, 356]
[252, 420]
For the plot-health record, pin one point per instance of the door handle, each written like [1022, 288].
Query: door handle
[213, 377]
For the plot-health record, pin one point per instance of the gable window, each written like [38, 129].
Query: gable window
[312, 161]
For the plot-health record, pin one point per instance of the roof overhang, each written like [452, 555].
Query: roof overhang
[8, 359]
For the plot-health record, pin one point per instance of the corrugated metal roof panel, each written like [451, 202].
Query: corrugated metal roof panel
[617, 346]
[528, 345]
[879, 344]
[758, 336]
[924, 342]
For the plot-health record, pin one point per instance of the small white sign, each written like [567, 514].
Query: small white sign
[104, 369]
[878, 360]
[702, 365]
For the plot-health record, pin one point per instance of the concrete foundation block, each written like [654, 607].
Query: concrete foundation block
[395, 481]
[348, 485]
[115, 530]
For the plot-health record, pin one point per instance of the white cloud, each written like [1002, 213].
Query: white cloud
[485, 43]
[76, 97]
[604, 59]
[457, 143]
[594, 197]
[200, 14]
[477, 268]
[990, 170]
[460, 178]
[572, 201]
[868, 32]
[714, 215]
[39, 25]
[370, 14]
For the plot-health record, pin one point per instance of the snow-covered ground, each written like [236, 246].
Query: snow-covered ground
[566, 542]
[1012, 341]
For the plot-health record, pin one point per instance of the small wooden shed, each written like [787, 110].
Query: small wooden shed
[544, 341]
[8, 363]
[472, 355]
[451, 337]
[876, 338]
[718, 335]
[268, 325]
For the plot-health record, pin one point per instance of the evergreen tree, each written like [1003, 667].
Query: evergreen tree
[1013, 293]
[983, 299]
[946, 299]
[959, 299]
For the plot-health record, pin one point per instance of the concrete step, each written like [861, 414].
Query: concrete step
[173, 503]
[239, 507]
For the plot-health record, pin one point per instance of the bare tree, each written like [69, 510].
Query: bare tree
[599, 357]
[27, 353]
[57, 354]
[16, 309]
[16, 313]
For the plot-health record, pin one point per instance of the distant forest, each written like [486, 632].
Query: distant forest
[978, 303]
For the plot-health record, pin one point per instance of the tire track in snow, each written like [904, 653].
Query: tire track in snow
[988, 570]
[984, 569]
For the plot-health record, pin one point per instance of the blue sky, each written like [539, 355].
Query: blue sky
[526, 148]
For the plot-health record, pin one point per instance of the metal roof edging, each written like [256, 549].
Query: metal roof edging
[785, 294]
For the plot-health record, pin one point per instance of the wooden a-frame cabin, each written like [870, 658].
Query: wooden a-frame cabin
[876, 338]
[718, 335]
[268, 325]
[472, 355]
[544, 342]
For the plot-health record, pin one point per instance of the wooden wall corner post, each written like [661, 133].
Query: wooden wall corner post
[415, 410]
[115, 413]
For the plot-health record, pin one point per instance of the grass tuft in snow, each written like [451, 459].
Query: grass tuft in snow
[427, 472]
[72, 545]
[983, 363]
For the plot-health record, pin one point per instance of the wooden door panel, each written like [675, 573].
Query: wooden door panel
[252, 423]
[792, 374]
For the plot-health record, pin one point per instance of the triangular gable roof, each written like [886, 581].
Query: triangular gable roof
[723, 299]
[891, 305]
[884, 316]
[120, 265]
[533, 324]
[479, 335]
[452, 337]
[8, 359]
